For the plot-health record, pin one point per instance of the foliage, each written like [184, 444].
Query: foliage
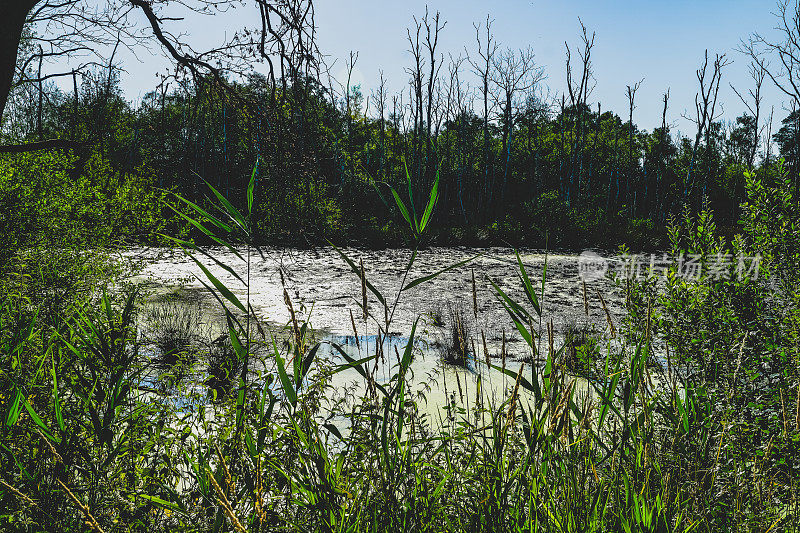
[87, 444]
[608, 181]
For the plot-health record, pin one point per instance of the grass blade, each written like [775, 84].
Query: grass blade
[403, 210]
[250, 188]
[429, 277]
[357, 272]
[431, 203]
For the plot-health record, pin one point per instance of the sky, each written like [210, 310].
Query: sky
[658, 41]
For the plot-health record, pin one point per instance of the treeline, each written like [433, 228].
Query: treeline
[514, 165]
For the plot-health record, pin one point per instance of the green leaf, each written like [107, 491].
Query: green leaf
[307, 360]
[411, 196]
[409, 349]
[514, 311]
[286, 383]
[15, 409]
[190, 245]
[162, 503]
[251, 446]
[17, 462]
[357, 271]
[404, 210]
[219, 285]
[39, 422]
[210, 235]
[193, 222]
[405, 363]
[211, 218]
[233, 213]
[357, 364]
[56, 400]
[431, 202]
[517, 312]
[251, 187]
[524, 383]
[429, 277]
[334, 431]
[526, 282]
[241, 353]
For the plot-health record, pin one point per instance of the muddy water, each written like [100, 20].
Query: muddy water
[324, 291]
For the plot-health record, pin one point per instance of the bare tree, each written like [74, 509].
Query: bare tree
[350, 65]
[758, 73]
[786, 76]
[416, 100]
[457, 109]
[379, 98]
[705, 103]
[768, 136]
[786, 50]
[513, 73]
[662, 162]
[579, 90]
[482, 67]
[630, 93]
[432, 28]
[82, 32]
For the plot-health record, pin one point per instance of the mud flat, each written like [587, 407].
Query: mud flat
[324, 289]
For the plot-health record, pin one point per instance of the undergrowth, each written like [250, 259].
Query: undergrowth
[707, 443]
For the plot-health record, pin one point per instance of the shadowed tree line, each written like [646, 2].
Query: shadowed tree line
[516, 163]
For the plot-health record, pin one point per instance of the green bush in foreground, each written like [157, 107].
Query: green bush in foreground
[88, 445]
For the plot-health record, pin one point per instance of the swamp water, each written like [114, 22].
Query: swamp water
[326, 293]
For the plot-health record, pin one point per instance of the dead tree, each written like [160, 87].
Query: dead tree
[350, 65]
[432, 28]
[416, 101]
[482, 67]
[630, 93]
[513, 73]
[379, 98]
[758, 73]
[786, 50]
[662, 163]
[457, 110]
[579, 90]
[705, 103]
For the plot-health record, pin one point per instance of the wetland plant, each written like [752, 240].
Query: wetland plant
[456, 347]
[172, 327]
[581, 347]
[85, 447]
[223, 367]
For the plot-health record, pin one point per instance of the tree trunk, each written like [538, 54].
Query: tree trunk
[12, 21]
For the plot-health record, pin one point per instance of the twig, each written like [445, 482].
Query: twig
[90, 520]
[27, 499]
[225, 504]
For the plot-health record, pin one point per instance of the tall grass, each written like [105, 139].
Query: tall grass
[86, 446]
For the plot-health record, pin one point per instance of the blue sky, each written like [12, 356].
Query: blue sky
[661, 42]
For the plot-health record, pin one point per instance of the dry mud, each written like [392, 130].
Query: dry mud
[324, 289]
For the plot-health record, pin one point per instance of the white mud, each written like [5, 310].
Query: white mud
[324, 289]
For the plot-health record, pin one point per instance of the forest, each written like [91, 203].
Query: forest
[506, 152]
[655, 404]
